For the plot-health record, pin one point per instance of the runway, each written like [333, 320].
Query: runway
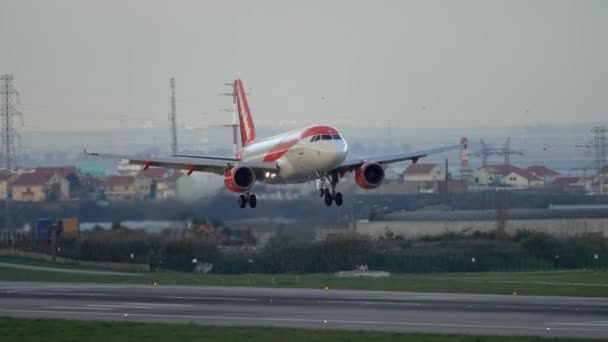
[308, 308]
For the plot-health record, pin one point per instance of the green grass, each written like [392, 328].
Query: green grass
[27, 330]
[558, 283]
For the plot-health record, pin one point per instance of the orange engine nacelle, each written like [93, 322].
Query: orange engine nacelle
[239, 178]
[369, 175]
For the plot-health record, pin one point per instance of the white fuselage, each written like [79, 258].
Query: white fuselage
[300, 155]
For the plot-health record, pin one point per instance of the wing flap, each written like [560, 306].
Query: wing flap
[228, 159]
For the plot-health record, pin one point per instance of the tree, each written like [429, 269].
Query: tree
[75, 185]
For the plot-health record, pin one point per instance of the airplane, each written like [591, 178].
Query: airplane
[317, 152]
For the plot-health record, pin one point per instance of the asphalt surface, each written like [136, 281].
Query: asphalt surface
[62, 270]
[307, 308]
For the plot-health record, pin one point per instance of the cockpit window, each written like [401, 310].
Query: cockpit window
[337, 137]
[314, 138]
[326, 137]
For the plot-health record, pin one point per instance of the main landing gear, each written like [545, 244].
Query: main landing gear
[330, 196]
[247, 198]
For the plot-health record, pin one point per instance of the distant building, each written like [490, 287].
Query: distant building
[563, 222]
[421, 172]
[569, 184]
[421, 178]
[164, 181]
[544, 173]
[4, 176]
[126, 187]
[40, 186]
[601, 181]
[63, 171]
[505, 176]
[90, 169]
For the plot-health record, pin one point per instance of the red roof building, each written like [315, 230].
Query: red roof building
[126, 187]
[542, 171]
[40, 186]
[565, 181]
[118, 181]
[33, 179]
[63, 171]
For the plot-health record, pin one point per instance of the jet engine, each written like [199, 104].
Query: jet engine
[369, 175]
[239, 178]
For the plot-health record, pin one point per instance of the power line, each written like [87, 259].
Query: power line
[173, 118]
[600, 147]
[8, 136]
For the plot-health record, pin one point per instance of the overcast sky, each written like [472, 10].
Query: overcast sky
[82, 65]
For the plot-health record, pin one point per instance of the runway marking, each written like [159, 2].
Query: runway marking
[214, 298]
[76, 307]
[155, 304]
[367, 302]
[307, 320]
[137, 305]
[71, 294]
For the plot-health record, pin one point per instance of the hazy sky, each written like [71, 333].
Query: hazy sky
[85, 64]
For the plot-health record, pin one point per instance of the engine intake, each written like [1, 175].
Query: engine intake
[239, 178]
[369, 175]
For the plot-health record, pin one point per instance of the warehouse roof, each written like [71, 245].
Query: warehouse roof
[491, 215]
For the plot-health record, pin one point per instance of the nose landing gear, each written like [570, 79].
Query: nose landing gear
[244, 199]
[331, 196]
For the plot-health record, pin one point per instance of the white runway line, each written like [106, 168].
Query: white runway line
[75, 307]
[147, 306]
[366, 302]
[214, 298]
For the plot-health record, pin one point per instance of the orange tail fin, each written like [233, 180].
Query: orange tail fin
[245, 119]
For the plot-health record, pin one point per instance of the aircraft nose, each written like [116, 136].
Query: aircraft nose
[341, 149]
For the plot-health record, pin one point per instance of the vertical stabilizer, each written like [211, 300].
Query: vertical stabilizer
[245, 119]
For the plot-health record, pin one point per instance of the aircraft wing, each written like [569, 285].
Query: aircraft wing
[352, 163]
[231, 159]
[191, 164]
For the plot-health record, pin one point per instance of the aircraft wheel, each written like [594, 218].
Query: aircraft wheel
[253, 201]
[338, 198]
[242, 201]
[328, 199]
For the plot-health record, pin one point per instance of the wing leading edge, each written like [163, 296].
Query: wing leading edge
[191, 164]
[352, 163]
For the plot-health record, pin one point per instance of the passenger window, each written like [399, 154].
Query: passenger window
[337, 137]
[326, 137]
